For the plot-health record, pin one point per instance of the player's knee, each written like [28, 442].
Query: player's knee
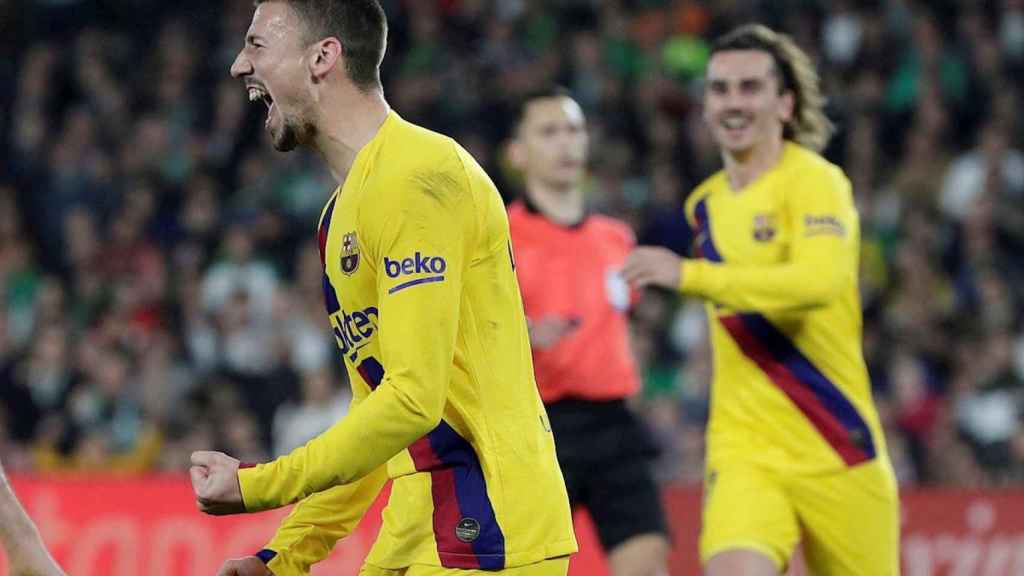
[644, 555]
[740, 563]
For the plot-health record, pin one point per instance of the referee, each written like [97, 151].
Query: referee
[576, 304]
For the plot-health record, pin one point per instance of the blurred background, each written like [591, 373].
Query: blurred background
[160, 286]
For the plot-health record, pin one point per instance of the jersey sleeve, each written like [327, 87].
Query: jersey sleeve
[308, 534]
[416, 237]
[822, 256]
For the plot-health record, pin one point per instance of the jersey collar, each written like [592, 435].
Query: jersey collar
[533, 209]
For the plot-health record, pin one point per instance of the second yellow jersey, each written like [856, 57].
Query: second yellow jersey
[777, 263]
[422, 297]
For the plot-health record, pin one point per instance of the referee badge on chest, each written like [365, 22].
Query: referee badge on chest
[617, 290]
[349, 253]
[764, 227]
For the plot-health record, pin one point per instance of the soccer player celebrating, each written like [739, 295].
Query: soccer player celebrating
[576, 303]
[26, 554]
[794, 442]
[423, 300]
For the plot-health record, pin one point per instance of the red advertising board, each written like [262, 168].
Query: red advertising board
[963, 533]
[122, 527]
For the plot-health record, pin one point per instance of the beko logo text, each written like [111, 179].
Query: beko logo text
[417, 264]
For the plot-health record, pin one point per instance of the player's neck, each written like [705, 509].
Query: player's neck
[563, 206]
[742, 169]
[349, 121]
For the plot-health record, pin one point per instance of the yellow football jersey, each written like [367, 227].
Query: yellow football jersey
[421, 291]
[778, 264]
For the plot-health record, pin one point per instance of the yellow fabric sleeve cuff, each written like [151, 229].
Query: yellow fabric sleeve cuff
[691, 276]
[249, 480]
[279, 565]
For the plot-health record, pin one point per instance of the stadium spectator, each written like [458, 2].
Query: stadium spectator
[128, 158]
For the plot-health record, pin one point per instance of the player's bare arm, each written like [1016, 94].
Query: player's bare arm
[20, 538]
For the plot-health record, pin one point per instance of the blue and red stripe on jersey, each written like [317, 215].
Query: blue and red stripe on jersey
[705, 242]
[371, 371]
[323, 229]
[820, 400]
[330, 296]
[817, 397]
[459, 492]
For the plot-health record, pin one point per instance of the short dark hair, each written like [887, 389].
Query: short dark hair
[541, 93]
[809, 126]
[360, 26]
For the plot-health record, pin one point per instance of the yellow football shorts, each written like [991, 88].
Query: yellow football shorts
[848, 522]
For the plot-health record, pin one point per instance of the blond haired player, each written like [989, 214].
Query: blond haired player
[795, 448]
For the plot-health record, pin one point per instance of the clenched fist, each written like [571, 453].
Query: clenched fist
[215, 482]
[248, 566]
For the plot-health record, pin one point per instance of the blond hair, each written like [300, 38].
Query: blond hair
[809, 126]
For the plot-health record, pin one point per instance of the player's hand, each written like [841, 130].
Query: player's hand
[651, 266]
[248, 566]
[215, 482]
[548, 331]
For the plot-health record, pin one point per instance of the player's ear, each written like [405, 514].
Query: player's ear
[787, 106]
[515, 153]
[326, 54]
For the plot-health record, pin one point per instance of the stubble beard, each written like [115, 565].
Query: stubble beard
[294, 133]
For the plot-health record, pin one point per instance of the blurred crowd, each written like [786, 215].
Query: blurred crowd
[160, 289]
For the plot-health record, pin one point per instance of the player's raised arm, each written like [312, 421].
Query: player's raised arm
[419, 252]
[20, 538]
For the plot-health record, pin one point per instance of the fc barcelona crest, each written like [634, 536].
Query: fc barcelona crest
[349, 253]
[764, 227]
